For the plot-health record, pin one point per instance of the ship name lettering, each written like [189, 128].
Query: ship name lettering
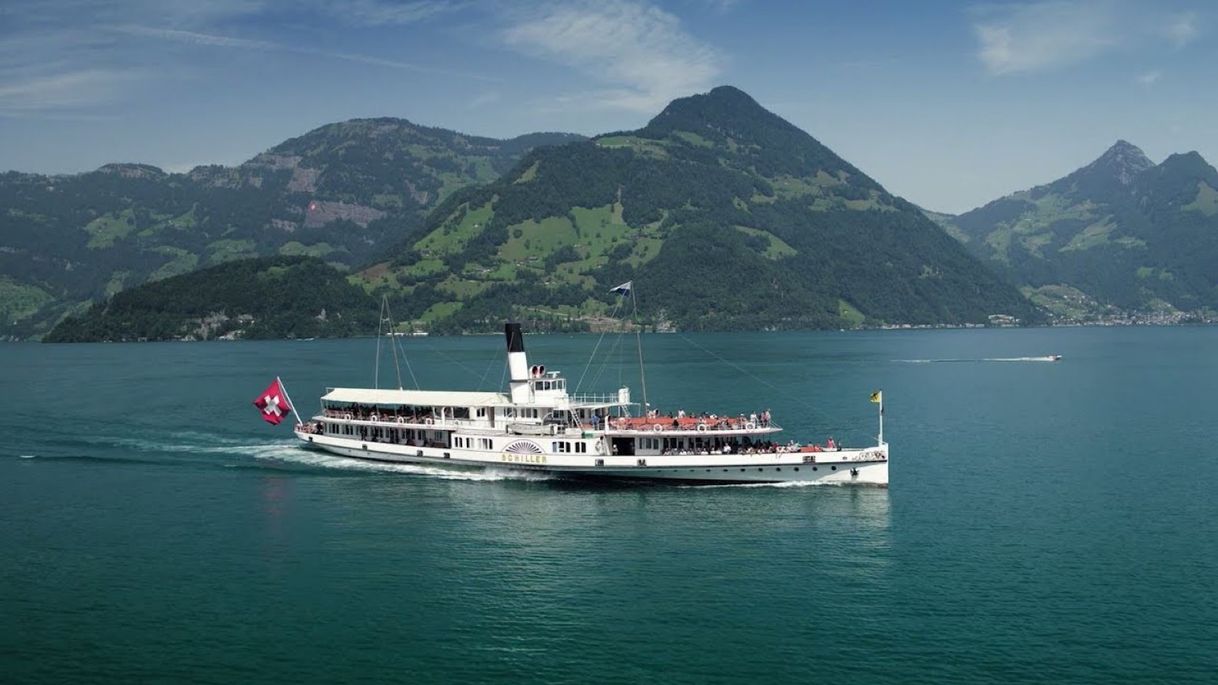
[524, 458]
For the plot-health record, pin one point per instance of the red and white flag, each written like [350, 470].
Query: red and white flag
[273, 403]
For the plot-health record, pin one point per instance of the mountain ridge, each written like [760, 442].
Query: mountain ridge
[1120, 238]
[712, 175]
[341, 192]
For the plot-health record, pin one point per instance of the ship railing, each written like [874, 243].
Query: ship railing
[405, 421]
[595, 398]
[645, 426]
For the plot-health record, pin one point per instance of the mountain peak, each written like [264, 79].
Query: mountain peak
[131, 170]
[725, 109]
[1186, 168]
[1123, 162]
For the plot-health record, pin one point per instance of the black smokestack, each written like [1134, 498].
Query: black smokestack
[515, 339]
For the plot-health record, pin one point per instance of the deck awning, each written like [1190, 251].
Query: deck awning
[415, 398]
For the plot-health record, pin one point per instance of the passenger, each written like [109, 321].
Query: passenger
[831, 445]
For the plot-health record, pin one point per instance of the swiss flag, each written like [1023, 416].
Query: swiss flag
[273, 403]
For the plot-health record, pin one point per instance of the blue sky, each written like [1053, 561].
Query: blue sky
[947, 104]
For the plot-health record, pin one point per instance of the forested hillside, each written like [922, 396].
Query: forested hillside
[723, 214]
[1121, 236]
[344, 192]
[270, 297]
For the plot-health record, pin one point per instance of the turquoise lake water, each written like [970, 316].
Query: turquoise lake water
[1047, 522]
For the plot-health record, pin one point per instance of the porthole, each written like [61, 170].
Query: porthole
[759, 469]
[833, 467]
[796, 468]
[778, 469]
[813, 468]
[741, 470]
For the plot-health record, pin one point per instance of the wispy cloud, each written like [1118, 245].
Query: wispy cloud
[1181, 29]
[196, 38]
[639, 53]
[1148, 78]
[1016, 38]
[86, 87]
[382, 13]
[219, 41]
[484, 99]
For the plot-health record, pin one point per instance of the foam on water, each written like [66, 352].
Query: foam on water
[291, 453]
[976, 361]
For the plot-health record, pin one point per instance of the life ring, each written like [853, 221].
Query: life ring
[750, 425]
[348, 416]
[657, 427]
[401, 419]
[374, 417]
[429, 421]
[702, 428]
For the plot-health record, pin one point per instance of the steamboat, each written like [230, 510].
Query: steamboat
[537, 426]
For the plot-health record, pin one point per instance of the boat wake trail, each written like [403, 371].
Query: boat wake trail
[291, 453]
[1046, 358]
[202, 447]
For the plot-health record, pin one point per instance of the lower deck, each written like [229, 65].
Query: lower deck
[863, 466]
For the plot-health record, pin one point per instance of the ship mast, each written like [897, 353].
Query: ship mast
[638, 338]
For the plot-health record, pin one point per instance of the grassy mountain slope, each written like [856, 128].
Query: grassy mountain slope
[341, 192]
[1120, 233]
[269, 297]
[724, 215]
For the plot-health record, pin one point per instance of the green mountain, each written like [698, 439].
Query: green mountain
[269, 297]
[1121, 234]
[723, 214]
[343, 192]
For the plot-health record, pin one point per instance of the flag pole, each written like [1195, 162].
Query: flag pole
[301, 423]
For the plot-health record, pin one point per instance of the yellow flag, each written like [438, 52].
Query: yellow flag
[877, 396]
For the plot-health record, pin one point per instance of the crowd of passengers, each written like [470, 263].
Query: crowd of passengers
[712, 421]
[748, 447]
[360, 412]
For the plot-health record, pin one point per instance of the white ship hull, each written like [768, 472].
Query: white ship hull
[846, 466]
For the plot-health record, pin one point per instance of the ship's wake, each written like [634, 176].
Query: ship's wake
[1046, 358]
[200, 447]
[291, 454]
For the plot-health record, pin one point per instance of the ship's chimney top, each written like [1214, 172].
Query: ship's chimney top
[515, 339]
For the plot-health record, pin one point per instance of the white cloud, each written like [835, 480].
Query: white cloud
[639, 52]
[1044, 35]
[1181, 29]
[1017, 38]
